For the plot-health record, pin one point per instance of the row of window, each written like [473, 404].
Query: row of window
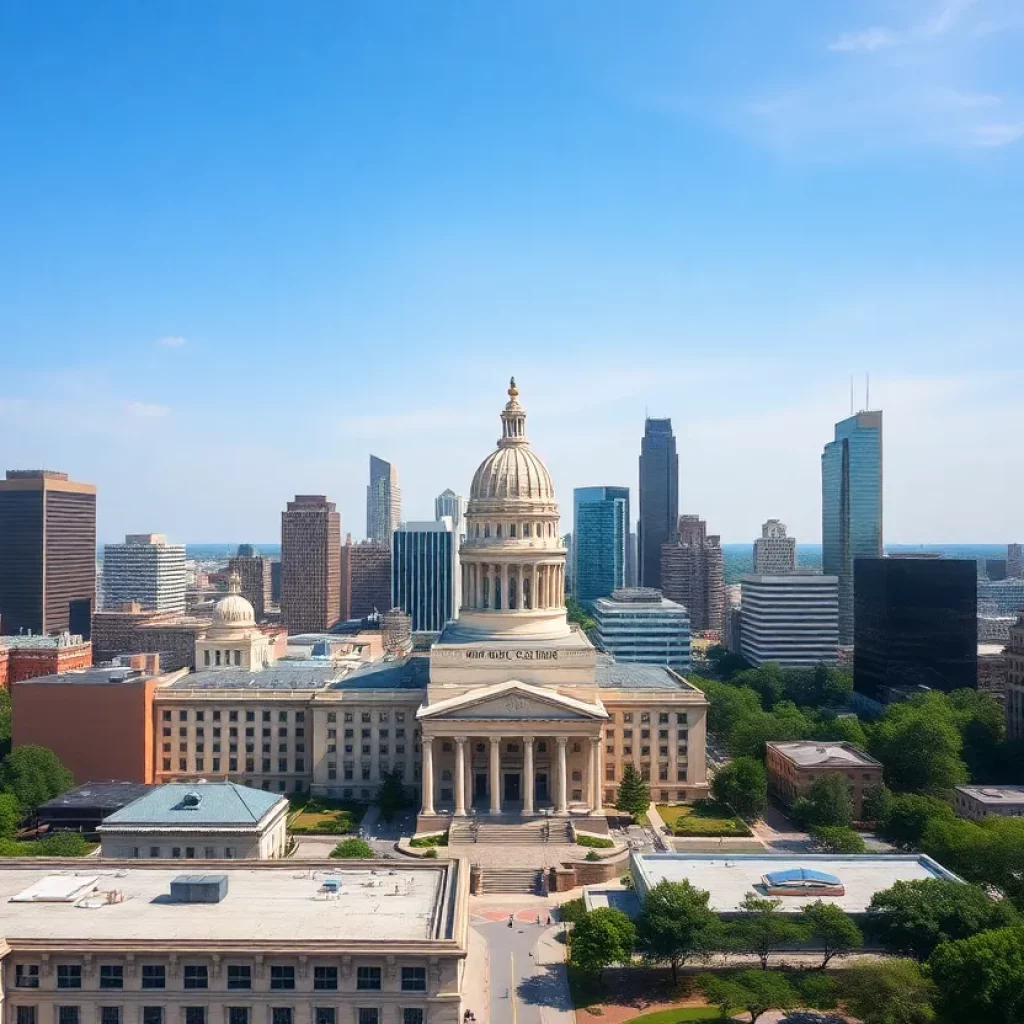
[512, 530]
[645, 751]
[239, 977]
[645, 772]
[216, 715]
[645, 717]
[666, 796]
[200, 1015]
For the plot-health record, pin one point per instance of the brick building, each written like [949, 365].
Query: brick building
[130, 630]
[794, 765]
[254, 573]
[365, 578]
[310, 564]
[26, 657]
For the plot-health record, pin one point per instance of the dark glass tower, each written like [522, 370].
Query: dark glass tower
[851, 505]
[659, 497]
[600, 538]
[916, 625]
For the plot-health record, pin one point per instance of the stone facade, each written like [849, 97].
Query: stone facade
[793, 766]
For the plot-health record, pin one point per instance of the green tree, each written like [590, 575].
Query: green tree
[757, 992]
[724, 663]
[876, 802]
[729, 705]
[10, 815]
[981, 978]
[831, 929]
[919, 744]
[34, 775]
[676, 925]
[763, 930]
[601, 938]
[844, 729]
[353, 849]
[826, 802]
[838, 839]
[634, 796]
[742, 785]
[912, 918]
[908, 817]
[784, 722]
[576, 613]
[981, 720]
[5, 722]
[391, 796]
[888, 992]
[61, 844]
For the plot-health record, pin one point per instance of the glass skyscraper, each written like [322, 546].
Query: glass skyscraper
[600, 541]
[659, 497]
[851, 505]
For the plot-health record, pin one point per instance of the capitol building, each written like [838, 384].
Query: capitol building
[513, 712]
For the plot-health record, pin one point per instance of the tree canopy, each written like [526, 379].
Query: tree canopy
[838, 839]
[909, 815]
[912, 918]
[10, 815]
[601, 938]
[634, 796]
[888, 992]
[34, 775]
[981, 977]
[832, 929]
[353, 849]
[742, 785]
[763, 930]
[676, 925]
[391, 796]
[826, 802]
[757, 992]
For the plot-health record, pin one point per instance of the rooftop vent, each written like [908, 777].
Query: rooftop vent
[199, 888]
[190, 801]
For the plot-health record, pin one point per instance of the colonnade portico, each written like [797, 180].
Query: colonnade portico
[505, 771]
[513, 586]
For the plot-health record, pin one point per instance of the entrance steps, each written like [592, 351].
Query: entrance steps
[527, 882]
[524, 833]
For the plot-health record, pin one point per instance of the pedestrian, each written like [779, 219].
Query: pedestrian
[510, 920]
[538, 920]
[549, 920]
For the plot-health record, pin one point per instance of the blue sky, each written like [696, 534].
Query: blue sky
[244, 244]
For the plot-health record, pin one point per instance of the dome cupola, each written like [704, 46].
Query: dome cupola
[233, 613]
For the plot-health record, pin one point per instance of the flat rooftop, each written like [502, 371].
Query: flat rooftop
[994, 795]
[729, 879]
[281, 675]
[110, 675]
[621, 675]
[111, 794]
[815, 754]
[378, 903]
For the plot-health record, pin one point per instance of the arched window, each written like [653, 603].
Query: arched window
[487, 529]
[526, 529]
[527, 596]
[497, 594]
[497, 530]
[477, 528]
[551, 529]
[512, 530]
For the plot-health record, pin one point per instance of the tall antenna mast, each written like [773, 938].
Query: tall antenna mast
[867, 390]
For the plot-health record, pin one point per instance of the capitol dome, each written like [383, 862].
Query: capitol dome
[233, 612]
[513, 472]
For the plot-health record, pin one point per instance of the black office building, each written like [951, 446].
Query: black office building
[659, 497]
[915, 625]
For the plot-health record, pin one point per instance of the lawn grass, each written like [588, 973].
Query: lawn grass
[704, 819]
[326, 817]
[708, 1014]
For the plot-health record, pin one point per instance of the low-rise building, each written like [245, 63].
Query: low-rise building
[129, 629]
[790, 618]
[29, 656]
[208, 821]
[992, 669]
[980, 801]
[337, 943]
[83, 808]
[794, 765]
[637, 624]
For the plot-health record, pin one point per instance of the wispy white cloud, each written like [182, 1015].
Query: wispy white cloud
[172, 341]
[146, 410]
[880, 37]
[867, 41]
[998, 133]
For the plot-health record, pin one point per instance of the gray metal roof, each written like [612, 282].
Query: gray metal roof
[282, 675]
[620, 675]
[196, 803]
[112, 793]
[409, 673]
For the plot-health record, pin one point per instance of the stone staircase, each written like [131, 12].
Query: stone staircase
[523, 833]
[527, 881]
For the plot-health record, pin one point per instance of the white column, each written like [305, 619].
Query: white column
[460, 776]
[528, 775]
[504, 586]
[593, 768]
[428, 775]
[495, 775]
[562, 796]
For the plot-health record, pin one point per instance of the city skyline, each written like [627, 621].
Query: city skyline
[721, 234]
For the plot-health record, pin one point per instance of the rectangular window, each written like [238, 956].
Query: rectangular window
[368, 979]
[325, 979]
[152, 1015]
[67, 1015]
[280, 1015]
[26, 975]
[325, 1015]
[69, 976]
[195, 976]
[412, 1015]
[282, 978]
[238, 1015]
[239, 976]
[111, 976]
[195, 1015]
[364, 1015]
[26, 1015]
[154, 976]
[414, 979]
[680, 718]
[110, 1015]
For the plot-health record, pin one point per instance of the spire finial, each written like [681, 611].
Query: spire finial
[234, 583]
[513, 391]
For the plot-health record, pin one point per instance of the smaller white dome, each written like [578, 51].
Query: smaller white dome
[233, 611]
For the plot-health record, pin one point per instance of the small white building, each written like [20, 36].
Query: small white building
[198, 821]
[980, 801]
[638, 625]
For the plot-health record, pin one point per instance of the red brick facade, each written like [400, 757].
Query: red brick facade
[18, 663]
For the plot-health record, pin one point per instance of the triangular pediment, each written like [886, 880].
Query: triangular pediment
[516, 701]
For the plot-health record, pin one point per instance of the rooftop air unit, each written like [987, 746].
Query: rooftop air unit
[199, 888]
